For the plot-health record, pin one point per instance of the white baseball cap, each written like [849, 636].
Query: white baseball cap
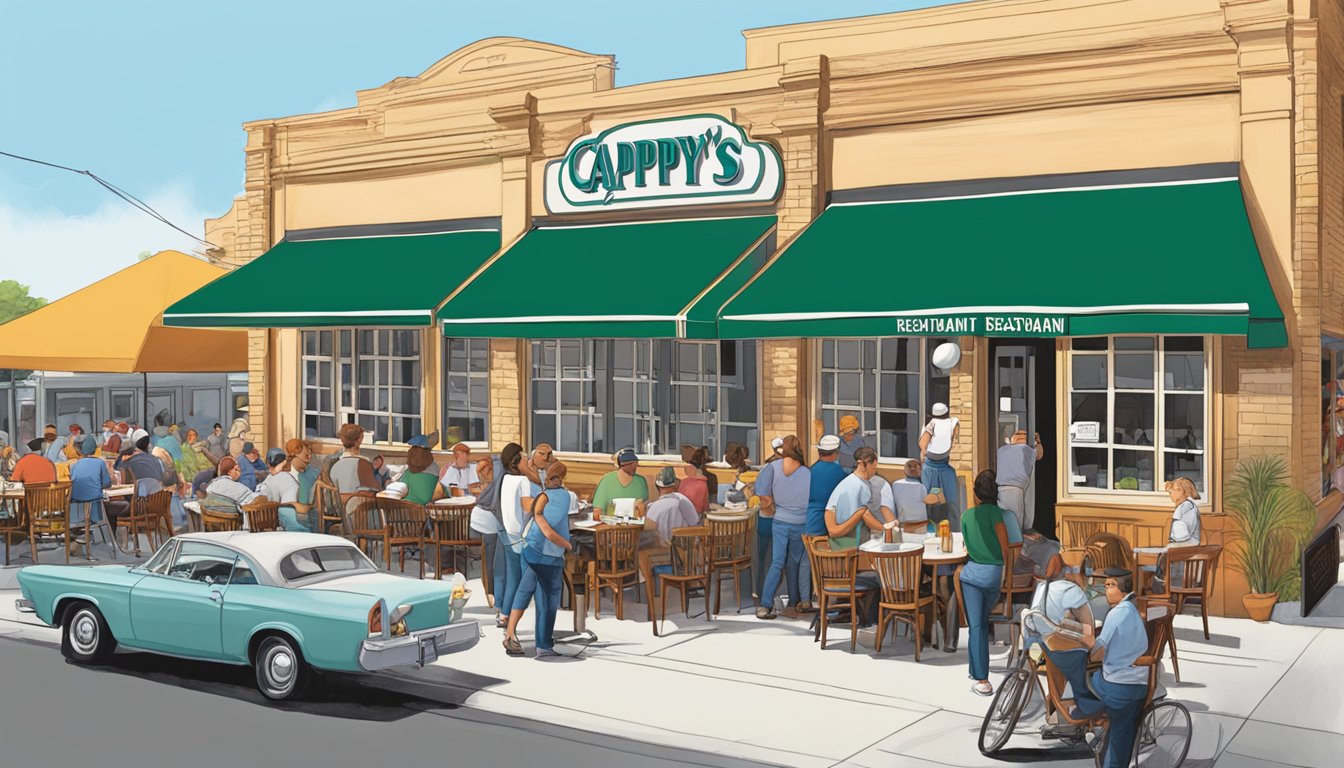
[940, 409]
[828, 443]
[776, 444]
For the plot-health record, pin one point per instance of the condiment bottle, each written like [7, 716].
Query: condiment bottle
[945, 536]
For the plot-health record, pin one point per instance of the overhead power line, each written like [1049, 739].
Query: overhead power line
[125, 196]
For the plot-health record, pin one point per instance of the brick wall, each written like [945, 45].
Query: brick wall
[506, 397]
[781, 392]
[962, 401]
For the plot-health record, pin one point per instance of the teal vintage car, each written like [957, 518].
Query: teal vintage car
[283, 603]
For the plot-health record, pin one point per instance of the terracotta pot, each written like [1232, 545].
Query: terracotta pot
[1260, 606]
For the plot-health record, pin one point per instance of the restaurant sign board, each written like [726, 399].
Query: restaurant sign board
[690, 160]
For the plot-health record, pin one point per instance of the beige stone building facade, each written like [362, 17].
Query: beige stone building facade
[990, 90]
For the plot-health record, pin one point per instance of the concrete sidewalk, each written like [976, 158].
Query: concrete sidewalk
[1260, 695]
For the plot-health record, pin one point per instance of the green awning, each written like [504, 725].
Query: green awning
[663, 279]
[386, 281]
[1165, 257]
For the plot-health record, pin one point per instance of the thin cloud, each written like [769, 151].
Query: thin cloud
[57, 254]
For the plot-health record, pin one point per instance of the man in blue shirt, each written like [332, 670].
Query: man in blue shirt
[826, 474]
[247, 466]
[88, 479]
[1119, 687]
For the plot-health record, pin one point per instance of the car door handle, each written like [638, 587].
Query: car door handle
[215, 596]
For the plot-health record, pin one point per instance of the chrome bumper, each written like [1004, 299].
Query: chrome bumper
[24, 605]
[418, 648]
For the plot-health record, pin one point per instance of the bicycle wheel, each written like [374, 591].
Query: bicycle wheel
[1003, 712]
[1164, 736]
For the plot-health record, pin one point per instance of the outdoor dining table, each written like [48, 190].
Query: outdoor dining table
[15, 491]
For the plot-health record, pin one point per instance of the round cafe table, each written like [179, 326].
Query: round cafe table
[945, 631]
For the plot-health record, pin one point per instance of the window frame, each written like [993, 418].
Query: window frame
[923, 374]
[446, 375]
[344, 359]
[1158, 447]
[1332, 456]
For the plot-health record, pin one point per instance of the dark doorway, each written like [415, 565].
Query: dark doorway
[1022, 396]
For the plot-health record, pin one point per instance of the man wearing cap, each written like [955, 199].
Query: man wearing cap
[33, 468]
[428, 441]
[671, 510]
[826, 475]
[624, 482]
[1119, 687]
[281, 485]
[144, 468]
[850, 441]
[935, 450]
[250, 466]
[88, 479]
[1016, 460]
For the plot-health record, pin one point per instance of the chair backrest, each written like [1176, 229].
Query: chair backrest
[730, 540]
[1080, 531]
[690, 551]
[450, 523]
[262, 515]
[900, 576]
[616, 548]
[1010, 555]
[403, 519]
[328, 500]
[362, 515]
[47, 504]
[1200, 565]
[1157, 618]
[157, 504]
[834, 569]
[1108, 550]
[212, 520]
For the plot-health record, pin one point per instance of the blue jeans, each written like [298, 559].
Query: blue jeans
[764, 534]
[494, 549]
[785, 559]
[939, 474]
[289, 520]
[1123, 704]
[1073, 665]
[513, 575]
[980, 587]
[547, 583]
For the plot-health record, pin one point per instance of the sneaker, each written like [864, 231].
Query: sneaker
[764, 613]
[983, 688]
[543, 653]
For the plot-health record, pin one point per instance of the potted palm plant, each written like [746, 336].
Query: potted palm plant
[1273, 521]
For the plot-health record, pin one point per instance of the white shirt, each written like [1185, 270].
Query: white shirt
[511, 494]
[462, 477]
[670, 512]
[941, 430]
[909, 494]
[1185, 524]
[282, 487]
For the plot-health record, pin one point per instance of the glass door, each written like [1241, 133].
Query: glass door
[1014, 388]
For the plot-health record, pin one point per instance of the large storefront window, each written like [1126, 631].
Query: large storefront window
[466, 391]
[888, 384]
[365, 376]
[1332, 410]
[1138, 410]
[597, 396]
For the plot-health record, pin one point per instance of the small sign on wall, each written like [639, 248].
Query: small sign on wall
[1085, 431]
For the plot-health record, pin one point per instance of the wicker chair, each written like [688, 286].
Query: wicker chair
[47, 509]
[214, 520]
[836, 574]
[330, 510]
[1195, 567]
[450, 527]
[901, 575]
[617, 566]
[404, 526]
[14, 525]
[363, 522]
[730, 545]
[150, 515]
[262, 515]
[690, 568]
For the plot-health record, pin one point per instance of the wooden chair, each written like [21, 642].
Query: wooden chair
[47, 510]
[214, 520]
[404, 526]
[617, 565]
[901, 576]
[13, 525]
[1154, 609]
[835, 574]
[451, 527]
[330, 510]
[1078, 532]
[363, 523]
[730, 545]
[151, 515]
[1196, 566]
[690, 568]
[809, 542]
[1106, 550]
[262, 515]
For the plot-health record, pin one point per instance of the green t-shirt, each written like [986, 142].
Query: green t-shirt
[609, 488]
[419, 486]
[977, 528]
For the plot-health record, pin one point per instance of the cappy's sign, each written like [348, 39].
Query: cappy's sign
[693, 160]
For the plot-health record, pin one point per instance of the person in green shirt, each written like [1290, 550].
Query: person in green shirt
[982, 577]
[622, 483]
[420, 484]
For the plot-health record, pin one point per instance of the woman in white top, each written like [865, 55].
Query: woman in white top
[515, 496]
[935, 447]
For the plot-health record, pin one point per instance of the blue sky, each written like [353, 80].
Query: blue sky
[152, 95]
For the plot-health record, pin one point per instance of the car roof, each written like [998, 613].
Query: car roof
[267, 548]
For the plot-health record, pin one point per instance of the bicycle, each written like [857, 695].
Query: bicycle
[1163, 739]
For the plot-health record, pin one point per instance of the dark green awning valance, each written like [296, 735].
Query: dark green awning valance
[1162, 257]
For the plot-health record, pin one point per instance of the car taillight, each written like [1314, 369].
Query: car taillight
[376, 619]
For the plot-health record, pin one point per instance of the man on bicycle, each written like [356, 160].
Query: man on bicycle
[1119, 687]
[1065, 605]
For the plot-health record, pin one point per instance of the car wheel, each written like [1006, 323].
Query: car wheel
[281, 671]
[86, 638]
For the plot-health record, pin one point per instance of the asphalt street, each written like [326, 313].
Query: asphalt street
[147, 711]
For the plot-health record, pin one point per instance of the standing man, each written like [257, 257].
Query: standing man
[216, 444]
[850, 441]
[826, 475]
[1016, 462]
[1119, 687]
